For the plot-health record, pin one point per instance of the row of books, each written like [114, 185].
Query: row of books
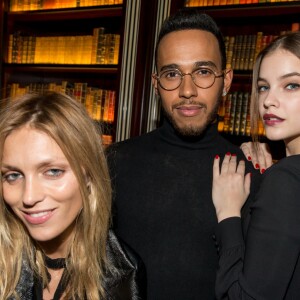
[234, 114]
[241, 50]
[196, 3]
[99, 103]
[105, 47]
[24, 5]
[99, 48]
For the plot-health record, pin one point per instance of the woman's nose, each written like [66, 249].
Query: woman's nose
[32, 191]
[271, 99]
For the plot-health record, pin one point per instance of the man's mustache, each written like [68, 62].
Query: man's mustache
[189, 102]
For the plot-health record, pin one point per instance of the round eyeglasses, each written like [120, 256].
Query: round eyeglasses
[203, 78]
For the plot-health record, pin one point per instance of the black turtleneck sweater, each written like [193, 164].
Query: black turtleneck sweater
[162, 195]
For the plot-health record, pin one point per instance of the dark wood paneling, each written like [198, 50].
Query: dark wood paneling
[145, 56]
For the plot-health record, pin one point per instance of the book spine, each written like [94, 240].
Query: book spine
[111, 106]
[99, 105]
[10, 49]
[238, 112]
[105, 106]
[244, 49]
[221, 113]
[100, 46]
[249, 65]
[227, 113]
[232, 113]
[244, 113]
[259, 36]
[237, 52]
[230, 52]
[110, 46]
[89, 101]
[117, 49]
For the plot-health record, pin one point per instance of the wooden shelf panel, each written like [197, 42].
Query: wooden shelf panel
[106, 77]
[59, 68]
[66, 14]
[253, 10]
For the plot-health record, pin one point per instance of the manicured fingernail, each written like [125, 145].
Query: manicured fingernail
[263, 171]
[256, 166]
[217, 156]
[249, 158]
[228, 153]
[233, 154]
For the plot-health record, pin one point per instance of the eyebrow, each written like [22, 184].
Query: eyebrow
[7, 165]
[197, 64]
[282, 77]
[207, 63]
[43, 164]
[290, 75]
[8, 168]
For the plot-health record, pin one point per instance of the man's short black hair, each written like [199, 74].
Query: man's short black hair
[192, 18]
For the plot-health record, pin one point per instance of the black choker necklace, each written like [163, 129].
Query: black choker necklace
[55, 264]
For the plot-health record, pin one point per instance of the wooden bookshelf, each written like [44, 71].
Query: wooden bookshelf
[65, 24]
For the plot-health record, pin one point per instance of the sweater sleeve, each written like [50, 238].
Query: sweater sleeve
[231, 250]
[263, 266]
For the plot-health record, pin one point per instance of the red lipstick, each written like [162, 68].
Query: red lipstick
[271, 119]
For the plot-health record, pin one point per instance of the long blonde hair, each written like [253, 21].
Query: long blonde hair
[67, 122]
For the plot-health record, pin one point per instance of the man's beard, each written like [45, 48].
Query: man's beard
[193, 130]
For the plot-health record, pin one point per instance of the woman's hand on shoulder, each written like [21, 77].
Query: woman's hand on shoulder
[231, 187]
[261, 157]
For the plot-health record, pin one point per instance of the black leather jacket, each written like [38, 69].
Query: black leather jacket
[126, 279]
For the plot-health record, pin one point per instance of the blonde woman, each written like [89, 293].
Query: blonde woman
[55, 207]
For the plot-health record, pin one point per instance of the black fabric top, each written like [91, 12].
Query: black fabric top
[164, 210]
[38, 288]
[125, 279]
[56, 264]
[270, 267]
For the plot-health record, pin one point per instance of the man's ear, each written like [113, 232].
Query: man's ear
[228, 76]
[155, 83]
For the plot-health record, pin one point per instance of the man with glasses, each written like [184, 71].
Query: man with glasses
[162, 180]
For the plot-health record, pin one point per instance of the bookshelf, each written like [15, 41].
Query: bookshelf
[248, 26]
[68, 46]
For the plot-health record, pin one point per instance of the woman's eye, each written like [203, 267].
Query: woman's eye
[292, 86]
[11, 177]
[54, 172]
[262, 88]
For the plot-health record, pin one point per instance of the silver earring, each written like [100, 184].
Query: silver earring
[224, 93]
